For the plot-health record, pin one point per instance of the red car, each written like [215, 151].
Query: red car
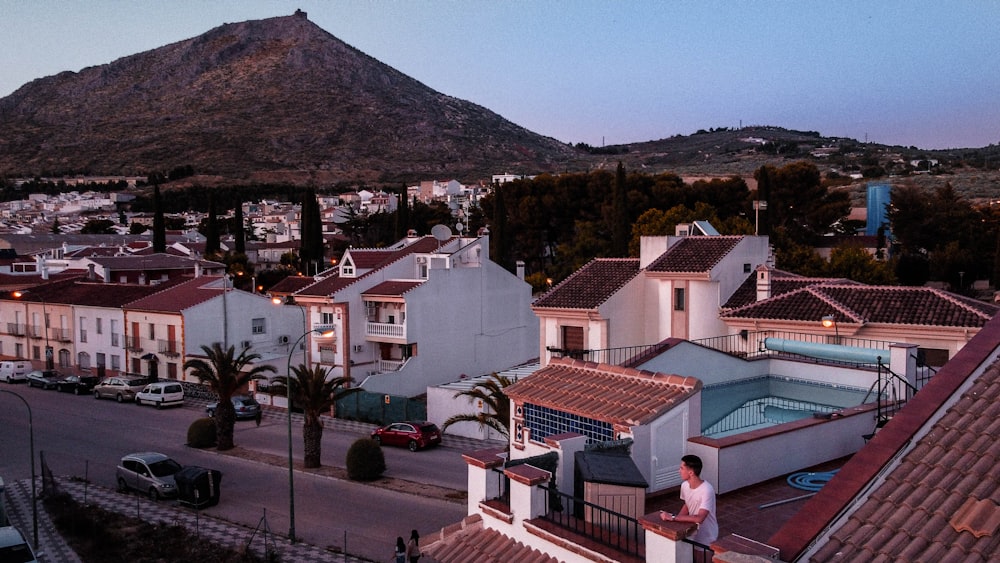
[414, 435]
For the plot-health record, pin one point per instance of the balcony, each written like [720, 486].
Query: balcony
[168, 347]
[17, 329]
[385, 330]
[36, 331]
[133, 344]
[385, 366]
[61, 334]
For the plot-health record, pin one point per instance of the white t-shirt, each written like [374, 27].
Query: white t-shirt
[702, 498]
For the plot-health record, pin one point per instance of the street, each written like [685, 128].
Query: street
[83, 437]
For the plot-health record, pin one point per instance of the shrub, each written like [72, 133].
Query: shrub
[201, 433]
[365, 460]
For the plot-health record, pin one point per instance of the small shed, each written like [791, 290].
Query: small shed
[610, 479]
[198, 487]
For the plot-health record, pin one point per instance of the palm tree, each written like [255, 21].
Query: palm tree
[222, 371]
[316, 394]
[496, 414]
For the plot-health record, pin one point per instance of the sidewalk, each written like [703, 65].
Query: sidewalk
[53, 549]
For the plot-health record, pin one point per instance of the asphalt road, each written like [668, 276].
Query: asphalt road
[83, 437]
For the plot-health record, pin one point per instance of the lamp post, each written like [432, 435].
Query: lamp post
[45, 326]
[31, 442]
[291, 463]
[831, 321]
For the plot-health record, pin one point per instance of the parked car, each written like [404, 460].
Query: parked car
[121, 389]
[414, 435]
[247, 408]
[44, 378]
[78, 384]
[161, 394]
[13, 371]
[148, 472]
[14, 547]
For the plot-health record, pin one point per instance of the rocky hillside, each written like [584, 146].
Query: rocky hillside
[277, 99]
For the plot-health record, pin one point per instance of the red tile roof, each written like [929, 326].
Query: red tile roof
[694, 254]
[782, 282]
[615, 394]
[591, 285]
[180, 297]
[79, 291]
[871, 304]
[292, 284]
[469, 542]
[374, 259]
[928, 505]
[392, 288]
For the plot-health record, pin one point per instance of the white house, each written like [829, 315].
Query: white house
[422, 312]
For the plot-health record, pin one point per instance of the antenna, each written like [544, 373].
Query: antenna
[441, 232]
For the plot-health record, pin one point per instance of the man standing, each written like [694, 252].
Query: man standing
[699, 502]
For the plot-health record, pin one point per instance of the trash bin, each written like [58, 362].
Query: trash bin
[198, 487]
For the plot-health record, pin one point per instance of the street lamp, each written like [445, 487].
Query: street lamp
[291, 462]
[31, 442]
[45, 326]
[831, 321]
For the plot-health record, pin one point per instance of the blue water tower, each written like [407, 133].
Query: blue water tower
[878, 203]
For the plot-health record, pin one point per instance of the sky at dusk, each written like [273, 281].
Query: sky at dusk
[921, 73]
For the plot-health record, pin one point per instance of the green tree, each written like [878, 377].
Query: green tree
[316, 393]
[855, 263]
[311, 249]
[620, 224]
[159, 226]
[495, 413]
[212, 244]
[499, 241]
[137, 228]
[56, 229]
[240, 232]
[223, 372]
[98, 227]
[402, 215]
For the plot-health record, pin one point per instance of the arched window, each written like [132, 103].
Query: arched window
[64, 358]
[83, 360]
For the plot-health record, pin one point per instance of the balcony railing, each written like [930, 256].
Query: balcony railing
[36, 331]
[133, 343]
[385, 366]
[17, 329]
[605, 527]
[385, 330]
[612, 356]
[168, 347]
[61, 334]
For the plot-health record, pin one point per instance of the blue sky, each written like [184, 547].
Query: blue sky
[923, 73]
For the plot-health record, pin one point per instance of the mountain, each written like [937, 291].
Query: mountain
[278, 100]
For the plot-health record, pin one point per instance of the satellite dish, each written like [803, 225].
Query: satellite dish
[441, 232]
[459, 227]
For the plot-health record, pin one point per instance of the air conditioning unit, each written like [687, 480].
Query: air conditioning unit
[282, 339]
[245, 344]
[358, 347]
[421, 259]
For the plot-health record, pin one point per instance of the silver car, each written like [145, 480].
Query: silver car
[148, 472]
[121, 389]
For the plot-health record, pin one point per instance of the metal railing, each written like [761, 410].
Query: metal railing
[750, 344]
[887, 392]
[61, 334]
[757, 413]
[17, 329]
[594, 522]
[168, 347]
[611, 356]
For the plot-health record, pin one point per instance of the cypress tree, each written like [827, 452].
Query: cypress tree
[619, 219]
[311, 249]
[159, 225]
[499, 245]
[402, 215]
[241, 238]
[212, 245]
[763, 176]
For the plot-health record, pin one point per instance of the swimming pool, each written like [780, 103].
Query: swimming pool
[760, 402]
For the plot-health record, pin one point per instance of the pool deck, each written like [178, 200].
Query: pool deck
[740, 511]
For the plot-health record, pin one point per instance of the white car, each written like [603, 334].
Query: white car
[13, 546]
[161, 394]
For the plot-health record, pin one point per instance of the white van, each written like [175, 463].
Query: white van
[161, 394]
[12, 371]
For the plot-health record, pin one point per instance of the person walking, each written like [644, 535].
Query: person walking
[400, 553]
[413, 547]
[258, 416]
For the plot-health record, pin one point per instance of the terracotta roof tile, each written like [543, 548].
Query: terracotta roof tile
[943, 494]
[591, 285]
[373, 260]
[79, 291]
[782, 282]
[391, 288]
[694, 254]
[612, 394]
[470, 542]
[180, 297]
[871, 304]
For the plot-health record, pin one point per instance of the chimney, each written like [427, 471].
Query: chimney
[90, 272]
[197, 269]
[763, 282]
[520, 270]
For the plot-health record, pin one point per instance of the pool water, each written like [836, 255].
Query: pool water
[761, 402]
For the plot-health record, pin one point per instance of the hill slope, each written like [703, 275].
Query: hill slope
[278, 95]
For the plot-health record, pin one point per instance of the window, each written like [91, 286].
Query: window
[83, 360]
[116, 362]
[36, 353]
[98, 325]
[152, 331]
[259, 326]
[326, 318]
[83, 329]
[746, 268]
[678, 299]
[171, 370]
[101, 360]
[545, 421]
[19, 350]
[572, 341]
[64, 358]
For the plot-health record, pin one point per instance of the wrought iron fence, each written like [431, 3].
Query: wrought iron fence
[593, 521]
